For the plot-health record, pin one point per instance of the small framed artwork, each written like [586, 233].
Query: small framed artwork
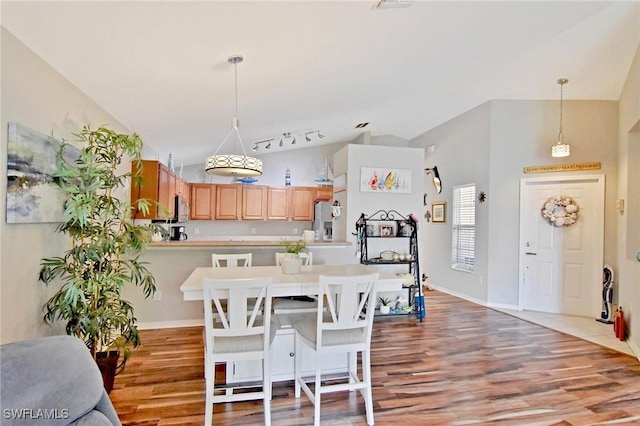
[386, 231]
[438, 211]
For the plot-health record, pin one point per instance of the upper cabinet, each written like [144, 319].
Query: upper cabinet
[323, 193]
[278, 201]
[228, 202]
[254, 202]
[203, 201]
[302, 201]
[160, 185]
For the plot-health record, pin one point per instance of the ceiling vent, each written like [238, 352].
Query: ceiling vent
[392, 4]
[361, 125]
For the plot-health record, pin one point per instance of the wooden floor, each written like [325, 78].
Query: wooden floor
[464, 365]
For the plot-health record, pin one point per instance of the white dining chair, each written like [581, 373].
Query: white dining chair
[342, 323]
[231, 260]
[234, 332]
[294, 305]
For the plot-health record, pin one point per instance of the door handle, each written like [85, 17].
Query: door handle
[531, 254]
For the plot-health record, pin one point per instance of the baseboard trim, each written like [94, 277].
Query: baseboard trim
[170, 324]
[503, 306]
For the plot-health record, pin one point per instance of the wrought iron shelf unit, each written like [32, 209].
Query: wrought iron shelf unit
[390, 224]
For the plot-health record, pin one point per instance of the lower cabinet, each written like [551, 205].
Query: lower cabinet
[282, 362]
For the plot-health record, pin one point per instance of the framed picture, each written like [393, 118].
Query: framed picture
[386, 231]
[438, 211]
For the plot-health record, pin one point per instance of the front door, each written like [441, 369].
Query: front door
[561, 266]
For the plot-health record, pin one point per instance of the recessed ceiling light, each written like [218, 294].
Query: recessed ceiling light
[362, 125]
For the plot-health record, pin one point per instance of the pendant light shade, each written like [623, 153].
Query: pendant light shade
[234, 164]
[561, 149]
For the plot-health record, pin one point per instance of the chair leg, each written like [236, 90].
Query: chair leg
[353, 366]
[366, 377]
[209, 386]
[297, 365]
[317, 392]
[266, 388]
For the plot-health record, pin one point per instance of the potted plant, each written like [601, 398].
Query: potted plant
[291, 262]
[385, 305]
[105, 249]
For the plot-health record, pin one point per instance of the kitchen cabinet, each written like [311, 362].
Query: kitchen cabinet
[282, 362]
[228, 202]
[278, 203]
[324, 193]
[254, 202]
[302, 201]
[203, 201]
[158, 185]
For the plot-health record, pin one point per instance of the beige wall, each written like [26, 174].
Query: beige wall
[490, 145]
[36, 96]
[628, 188]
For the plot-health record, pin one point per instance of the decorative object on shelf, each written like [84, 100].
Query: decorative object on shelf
[325, 176]
[287, 177]
[170, 162]
[336, 209]
[386, 231]
[291, 262]
[561, 149]
[482, 197]
[438, 211]
[385, 305]
[560, 211]
[234, 164]
[384, 180]
[435, 178]
[246, 180]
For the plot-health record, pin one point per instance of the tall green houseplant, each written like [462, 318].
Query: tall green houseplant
[105, 246]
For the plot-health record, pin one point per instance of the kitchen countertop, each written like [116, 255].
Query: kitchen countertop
[238, 242]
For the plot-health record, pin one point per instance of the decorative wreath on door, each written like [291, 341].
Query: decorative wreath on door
[560, 211]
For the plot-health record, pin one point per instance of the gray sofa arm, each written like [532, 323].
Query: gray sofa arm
[53, 381]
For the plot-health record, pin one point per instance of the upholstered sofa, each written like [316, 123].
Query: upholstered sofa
[52, 381]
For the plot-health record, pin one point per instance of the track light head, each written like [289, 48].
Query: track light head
[320, 135]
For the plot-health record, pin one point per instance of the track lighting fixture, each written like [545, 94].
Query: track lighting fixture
[292, 136]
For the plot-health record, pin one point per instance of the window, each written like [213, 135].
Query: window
[464, 227]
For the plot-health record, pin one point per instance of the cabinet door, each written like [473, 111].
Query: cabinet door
[228, 202]
[324, 194]
[302, 203]
[165, 204]
[148, 188]
[277, 203]
[203, 197]
[254, 202]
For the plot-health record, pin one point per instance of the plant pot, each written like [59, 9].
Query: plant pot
[108, 363]
[291, 263]
[385, 309]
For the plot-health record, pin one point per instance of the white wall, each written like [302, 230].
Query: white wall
[36, 96]
[490, 145]
[628, 189]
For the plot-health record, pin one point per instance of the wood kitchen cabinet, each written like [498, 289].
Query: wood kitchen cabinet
[302, 201]
[324, 193]
[228, 202]
[158, 185]
[278, 203]
[203, 201]
[254, 202]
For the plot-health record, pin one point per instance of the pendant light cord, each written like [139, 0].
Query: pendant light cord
[562, 82]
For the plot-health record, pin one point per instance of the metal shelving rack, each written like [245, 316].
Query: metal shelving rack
[405, 227]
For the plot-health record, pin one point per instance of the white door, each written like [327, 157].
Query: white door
[561, 266]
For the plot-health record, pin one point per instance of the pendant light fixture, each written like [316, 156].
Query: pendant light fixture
[561, 149]
[234, 164]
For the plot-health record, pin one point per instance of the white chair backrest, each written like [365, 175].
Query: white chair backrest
[307, 258]
[230, 299]
[348, 303]
[230, 260]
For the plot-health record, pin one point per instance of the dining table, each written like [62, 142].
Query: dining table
[283, 285]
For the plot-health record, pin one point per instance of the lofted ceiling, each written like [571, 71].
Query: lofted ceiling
[161, 68]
